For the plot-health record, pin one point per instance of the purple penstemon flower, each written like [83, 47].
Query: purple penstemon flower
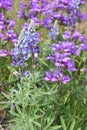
[12, 36]
[6, 4]
[84, 47]
[48, 76]
[3, 53]
[3, 37]
[46, 12]
[66, 79]
[11, 24]
[67, 35]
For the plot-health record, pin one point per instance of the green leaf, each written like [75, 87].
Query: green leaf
[86, 128]
[37, 123]
[41, 60]
[50, 121]
[6, 96]
[31, 126]
[37, 117]
[11, 77]
[79, 128]
[18, 109]
[56, 127]
[72, 125]
[15, 115]
[63, 123]
[12, 69]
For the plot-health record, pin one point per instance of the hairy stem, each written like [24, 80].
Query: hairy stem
[42, 119]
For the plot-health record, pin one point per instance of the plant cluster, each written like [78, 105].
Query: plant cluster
[43, 74]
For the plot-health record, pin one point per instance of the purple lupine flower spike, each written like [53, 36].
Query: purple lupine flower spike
[25, 48]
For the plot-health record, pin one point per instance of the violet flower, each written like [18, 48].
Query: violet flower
[3, 53]
[6, 4]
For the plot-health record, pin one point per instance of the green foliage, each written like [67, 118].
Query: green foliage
[32, 107]
[36, 105]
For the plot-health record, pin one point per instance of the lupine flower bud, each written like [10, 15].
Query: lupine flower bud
[54, 31]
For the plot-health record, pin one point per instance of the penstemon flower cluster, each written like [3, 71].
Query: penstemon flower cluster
[6, 25]
[26, 47]
[6, 4]
[64, 51]
[44, 12]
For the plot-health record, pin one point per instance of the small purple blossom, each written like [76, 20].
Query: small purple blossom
[84, 47]
[12, 36]
[76, 35]
[11, 24]
[26, 73]
[67, 35]
[48, 76]
[65, 79]
[3, 53]
[85, 69]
